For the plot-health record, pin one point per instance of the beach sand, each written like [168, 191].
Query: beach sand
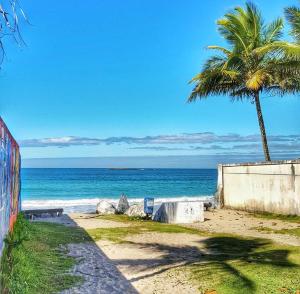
[152, 261]
[217, 221]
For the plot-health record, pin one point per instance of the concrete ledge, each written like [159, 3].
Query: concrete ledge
[183, 212]
[273, 162]
[52, 212]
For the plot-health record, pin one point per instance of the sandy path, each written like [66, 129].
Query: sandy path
[243, 223]
[219, 221]
[152, 262]
[90, 221]
[99, 273]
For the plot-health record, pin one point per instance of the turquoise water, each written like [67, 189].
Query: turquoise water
[84, 187]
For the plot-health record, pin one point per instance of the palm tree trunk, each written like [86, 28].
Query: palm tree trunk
[262, 127]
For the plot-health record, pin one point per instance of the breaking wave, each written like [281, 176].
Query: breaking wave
[89, 205]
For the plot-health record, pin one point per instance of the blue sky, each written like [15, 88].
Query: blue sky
[110, 78]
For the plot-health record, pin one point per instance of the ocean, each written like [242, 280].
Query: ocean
[79, 190]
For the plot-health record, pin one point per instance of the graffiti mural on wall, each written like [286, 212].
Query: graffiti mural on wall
[9, 182]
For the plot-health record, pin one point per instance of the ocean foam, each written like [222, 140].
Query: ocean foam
[89, 205]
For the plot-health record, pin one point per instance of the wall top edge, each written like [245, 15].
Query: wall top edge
[275, 162]
[2, 123]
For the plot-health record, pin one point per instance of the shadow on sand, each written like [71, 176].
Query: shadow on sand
[100, 274]
[212, 257]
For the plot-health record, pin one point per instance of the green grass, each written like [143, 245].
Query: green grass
[247, 265]
[273, 216]
[263, 229]
[135, 226]
[37, 264]
[292, 232]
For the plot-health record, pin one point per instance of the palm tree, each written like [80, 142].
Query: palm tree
[250, 65]
[292, 15]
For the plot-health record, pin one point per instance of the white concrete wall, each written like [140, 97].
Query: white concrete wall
[180, 212]
[271, 187]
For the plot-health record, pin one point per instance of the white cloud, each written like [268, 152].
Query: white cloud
[219, 144]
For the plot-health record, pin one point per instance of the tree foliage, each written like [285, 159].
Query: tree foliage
[11, 13]
[256, 59]
[292, 15]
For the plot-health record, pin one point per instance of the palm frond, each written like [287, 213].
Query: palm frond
[292, 15]
[273, 32]
[221, 49]
[231, 28]
[255, 21]
[257, 80]
[280, 47]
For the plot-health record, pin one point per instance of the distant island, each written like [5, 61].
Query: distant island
[124, 168]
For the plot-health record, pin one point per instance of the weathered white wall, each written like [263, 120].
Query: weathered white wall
[272, 187]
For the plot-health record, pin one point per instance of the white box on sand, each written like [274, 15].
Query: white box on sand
[183, 212]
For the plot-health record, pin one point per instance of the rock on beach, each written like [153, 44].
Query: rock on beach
[136, 209]
[105, 207]
[123, 204]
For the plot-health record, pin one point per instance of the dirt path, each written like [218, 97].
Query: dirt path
[152, 262]
[244, 224]
[218, 221]
[144, 262]
[99, 273]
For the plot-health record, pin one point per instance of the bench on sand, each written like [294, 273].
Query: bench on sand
[32, 213]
